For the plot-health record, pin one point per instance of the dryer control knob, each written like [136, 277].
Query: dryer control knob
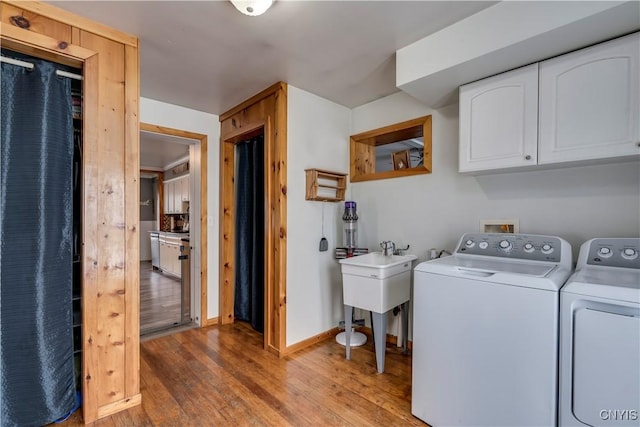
[505, 245]
[483, 245]
[605, 252]
[469, 243]
[546, 249]
[629, 253]
[528, 247]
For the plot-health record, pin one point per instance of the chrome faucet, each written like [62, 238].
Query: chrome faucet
[388, 248]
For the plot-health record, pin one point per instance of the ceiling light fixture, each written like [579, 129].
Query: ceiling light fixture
[252, 7]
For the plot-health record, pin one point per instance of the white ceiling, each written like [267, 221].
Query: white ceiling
[207, 56]
[157, 151]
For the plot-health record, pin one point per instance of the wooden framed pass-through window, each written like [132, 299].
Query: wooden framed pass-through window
[401, 149]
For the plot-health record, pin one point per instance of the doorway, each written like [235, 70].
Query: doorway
[264, 114]
[250, 232]
[172, 238]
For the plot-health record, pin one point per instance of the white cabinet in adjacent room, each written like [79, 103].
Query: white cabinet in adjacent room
[589, 103]
[169, 254]
[169, 203]
[176, 191]
[499, 120]
[185, 188]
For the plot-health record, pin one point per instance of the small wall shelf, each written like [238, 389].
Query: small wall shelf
[325, 185]
[368, 147]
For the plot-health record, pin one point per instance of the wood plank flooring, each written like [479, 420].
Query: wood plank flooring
[220, 375]
[159, 299]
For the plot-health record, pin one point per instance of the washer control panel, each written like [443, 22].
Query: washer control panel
[522, 246]
[614, 252]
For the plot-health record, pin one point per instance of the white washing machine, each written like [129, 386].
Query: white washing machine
[600, 336]
[485, 332]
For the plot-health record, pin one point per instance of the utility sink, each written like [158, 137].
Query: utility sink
[376, 282]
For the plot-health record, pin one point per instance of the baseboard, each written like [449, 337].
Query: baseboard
[120, 405]
[391, 339]
[210, 322]
[331, 333]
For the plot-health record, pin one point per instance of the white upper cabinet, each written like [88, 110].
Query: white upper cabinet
[579, 107]
[589, 103]
[177, 196]
[499, 121]
[185, 188]
[168, 197]
[176, 191]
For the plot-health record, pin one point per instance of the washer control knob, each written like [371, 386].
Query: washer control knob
[483, 245]
[528, 247]
[546, 249]
[605, 252]
[505, 245]
[469, 243]
[629, 253]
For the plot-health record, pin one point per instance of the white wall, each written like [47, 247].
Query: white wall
[318, 135]
[434, 210]
[145, 241]
[176, 117]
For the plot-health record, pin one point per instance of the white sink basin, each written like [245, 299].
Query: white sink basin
[376, 282]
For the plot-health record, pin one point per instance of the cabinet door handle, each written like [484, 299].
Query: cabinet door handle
[527, 157]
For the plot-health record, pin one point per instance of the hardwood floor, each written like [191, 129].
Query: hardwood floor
[221, 376]
[159, 299]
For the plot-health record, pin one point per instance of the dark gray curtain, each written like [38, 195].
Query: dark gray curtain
[249, 246]
[36, 352]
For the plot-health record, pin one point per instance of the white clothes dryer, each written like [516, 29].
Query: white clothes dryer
[485, 332]
[600, 336]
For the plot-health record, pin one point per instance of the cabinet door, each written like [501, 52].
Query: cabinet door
[175, 260]
[589, 103]
[163, 256]
[177, 196]
[185, 188]
[499, 121]
[169, 204]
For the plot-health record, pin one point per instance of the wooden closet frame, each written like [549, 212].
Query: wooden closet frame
[264, 113]
[203, 204]
[100, 273]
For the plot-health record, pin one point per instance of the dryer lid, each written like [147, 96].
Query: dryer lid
[615, 284]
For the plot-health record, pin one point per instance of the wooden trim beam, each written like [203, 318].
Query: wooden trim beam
[90, 251]
[74, 20]
[132, 219]
[42, 46]
[271, 90]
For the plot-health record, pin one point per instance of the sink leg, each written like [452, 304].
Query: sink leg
[405, 328]
[373, 333]
[348, 312]
[380, 332]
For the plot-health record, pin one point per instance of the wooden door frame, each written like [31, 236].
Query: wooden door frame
[264, 113]
[203, 204]
[227, 175]
[42, 46]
